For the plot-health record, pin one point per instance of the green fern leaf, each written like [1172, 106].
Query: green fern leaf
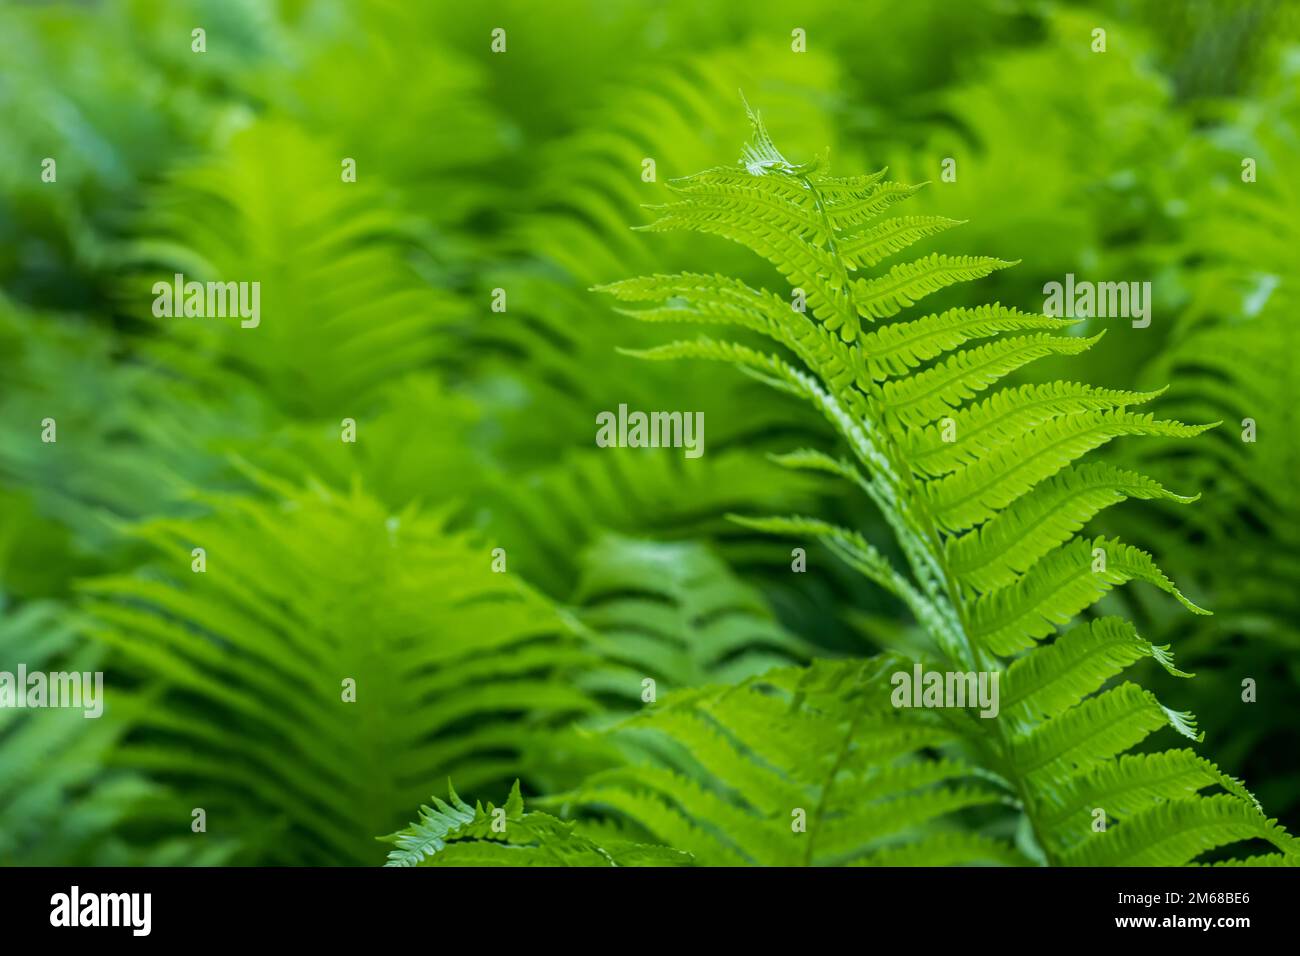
[996, 553]
[985, 506]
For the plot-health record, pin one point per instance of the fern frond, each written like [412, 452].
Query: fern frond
[247, 217]
[986, 506]
[62, 801]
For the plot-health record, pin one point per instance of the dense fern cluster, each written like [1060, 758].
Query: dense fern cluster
[305, 637]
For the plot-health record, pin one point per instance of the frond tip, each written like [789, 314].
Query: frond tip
[760, 156]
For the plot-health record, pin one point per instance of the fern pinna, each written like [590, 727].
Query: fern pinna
[986, 497]
[452, 833]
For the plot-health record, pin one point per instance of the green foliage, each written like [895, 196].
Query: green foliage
[553, 517]
[456, 834]
[456, 670]
[56, 804]
[801, 766]
[555, 348]
[675, 613]
[320, 249]
[948, 451]
[1057, 748]
[131, 440]
[1231, 358]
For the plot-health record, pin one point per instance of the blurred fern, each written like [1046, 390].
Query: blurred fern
[58, 804]
[343, 308]
[1231, 357]
[676, 614]
[457, 670]
[131, 440]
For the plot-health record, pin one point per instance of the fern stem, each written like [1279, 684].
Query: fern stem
[975, 658]
[834, 772]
